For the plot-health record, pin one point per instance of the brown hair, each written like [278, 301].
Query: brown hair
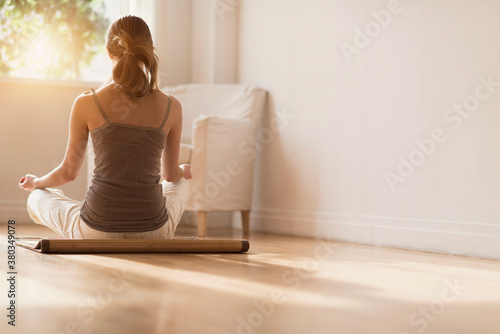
[129, 42]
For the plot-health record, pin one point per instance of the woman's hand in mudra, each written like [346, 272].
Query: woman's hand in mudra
[27, 182]
[186, 169]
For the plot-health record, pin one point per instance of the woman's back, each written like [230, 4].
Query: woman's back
[125, 194]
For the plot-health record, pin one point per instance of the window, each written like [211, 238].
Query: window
[61, 40]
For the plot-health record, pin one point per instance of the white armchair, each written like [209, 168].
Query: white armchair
[219, 131]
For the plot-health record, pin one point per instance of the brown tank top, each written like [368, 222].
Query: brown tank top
[125, 194]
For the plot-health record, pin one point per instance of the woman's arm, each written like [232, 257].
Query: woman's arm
[170, 169]
[69, 168]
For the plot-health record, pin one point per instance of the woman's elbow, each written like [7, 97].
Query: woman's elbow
[72, 177]
[69, 170]
[170, 178]
[69, 174]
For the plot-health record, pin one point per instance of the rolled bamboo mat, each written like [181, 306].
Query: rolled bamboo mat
[89, 246]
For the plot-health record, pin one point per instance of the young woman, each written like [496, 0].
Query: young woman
[136, 131]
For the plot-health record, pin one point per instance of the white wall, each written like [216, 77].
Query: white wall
[214, 42]
[173, 40]
[322, 175]
[34, 120]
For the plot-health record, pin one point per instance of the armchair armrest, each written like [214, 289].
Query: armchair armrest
[222, 171]
[185, 154]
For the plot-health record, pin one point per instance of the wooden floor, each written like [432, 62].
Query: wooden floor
[283, 285]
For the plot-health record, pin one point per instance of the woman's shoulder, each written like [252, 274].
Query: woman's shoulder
[175, 104]
[166, 96]
[84, 98]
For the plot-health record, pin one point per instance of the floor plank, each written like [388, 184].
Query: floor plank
[282, 285]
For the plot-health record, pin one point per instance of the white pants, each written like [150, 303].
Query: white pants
[50, 207]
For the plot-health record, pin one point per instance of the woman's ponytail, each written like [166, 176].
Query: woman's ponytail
[129, 42]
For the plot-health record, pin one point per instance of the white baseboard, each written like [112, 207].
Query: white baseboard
[13, 209]
[460, 238]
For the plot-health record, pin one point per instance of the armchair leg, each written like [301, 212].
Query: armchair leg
[245, 219]
[201, 218]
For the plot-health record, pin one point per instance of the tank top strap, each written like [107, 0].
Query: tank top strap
[166, 113]
[98, 103]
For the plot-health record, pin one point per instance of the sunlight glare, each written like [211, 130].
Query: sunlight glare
[38, 56]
